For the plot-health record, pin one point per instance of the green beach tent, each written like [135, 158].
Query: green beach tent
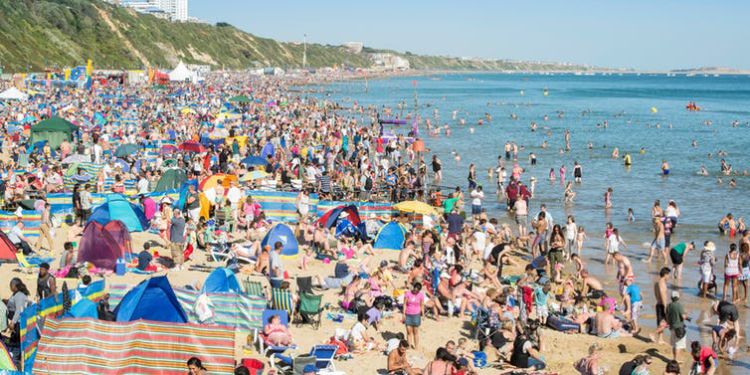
[242, 99]
[55, 130]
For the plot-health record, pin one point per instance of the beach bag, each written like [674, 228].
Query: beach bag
[341, 347]
[480, 359]
[203, 308]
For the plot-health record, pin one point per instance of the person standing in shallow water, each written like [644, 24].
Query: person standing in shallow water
[577, 172]
[664, 168]
[608, 198]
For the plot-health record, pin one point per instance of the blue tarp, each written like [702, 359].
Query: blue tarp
[221, 280]
[152, 299]
[391, 237]
[118, 207]
[282, 233]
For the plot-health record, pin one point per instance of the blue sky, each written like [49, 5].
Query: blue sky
[655, 34]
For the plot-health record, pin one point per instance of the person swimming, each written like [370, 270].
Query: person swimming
[664, 168]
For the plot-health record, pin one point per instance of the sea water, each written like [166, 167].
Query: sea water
[641, 112]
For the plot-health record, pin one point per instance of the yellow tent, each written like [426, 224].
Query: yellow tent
[241, 140]
[205, 206]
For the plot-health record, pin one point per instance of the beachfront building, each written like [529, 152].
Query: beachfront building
[176, 10]
[354, 47]
[389, 61]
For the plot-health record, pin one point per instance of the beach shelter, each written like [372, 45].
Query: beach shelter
[330, 218]
[102, 244]
[84, 308]
[171, 179]
[346, 220]
[127, 149]
[181, 73]
[14, 94]
[282, 233]
[390, 237]
[7, 249]
[212, 181]
[152, 299]
[117, 207]
[221, 280]
[240, 99]
[55, 130]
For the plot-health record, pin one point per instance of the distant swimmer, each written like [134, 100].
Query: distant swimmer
[642, 151]
[471, 130]
[664, 168]
[615, 153]
[694, 143]
[608, 198]
[462, 122]
[703, 171]
[627, 160]
[533, 126]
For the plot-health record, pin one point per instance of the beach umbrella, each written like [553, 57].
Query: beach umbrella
[192, 147]
[254, 175]
[251, 161]
[416, 207]
[127, 149]
[167, 149]
[124, 166]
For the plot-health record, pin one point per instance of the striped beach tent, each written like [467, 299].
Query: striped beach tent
[89, 346]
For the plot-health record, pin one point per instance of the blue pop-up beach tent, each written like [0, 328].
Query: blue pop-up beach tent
[221, 280]
[282, 233]
[152, 299]
[116, 207]
[390, 237]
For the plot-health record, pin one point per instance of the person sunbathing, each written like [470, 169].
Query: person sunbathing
[277, 333]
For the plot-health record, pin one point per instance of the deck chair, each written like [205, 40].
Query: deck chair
[32, 262]
[310, 309]
[323, 355]
[263, 345]
[218, 253]
[292, 365]
[254, 288]
[281, 299]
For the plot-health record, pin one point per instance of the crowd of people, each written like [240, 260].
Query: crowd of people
[457, 264]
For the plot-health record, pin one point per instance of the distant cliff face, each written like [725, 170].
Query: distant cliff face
[35, 34]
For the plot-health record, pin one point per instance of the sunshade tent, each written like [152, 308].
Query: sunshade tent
[346, 220]
[128, 149]
[390, 237]
[241, 99]
[116, 207]
[84, 308]
[152, 299]
[102, 244]
[282, 233]
[416, 207]
[55, 130]
[221, 280]
[7, 249]
[171, 179]
[167, 149]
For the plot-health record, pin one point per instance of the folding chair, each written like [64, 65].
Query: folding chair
[291, 365]
[281, 299]
[266, 347]
[322, 356]
[254, 288]
[310, 309]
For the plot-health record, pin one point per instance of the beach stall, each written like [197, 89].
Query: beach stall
[55, 130]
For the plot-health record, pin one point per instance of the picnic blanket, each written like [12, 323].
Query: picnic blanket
[89, 346]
